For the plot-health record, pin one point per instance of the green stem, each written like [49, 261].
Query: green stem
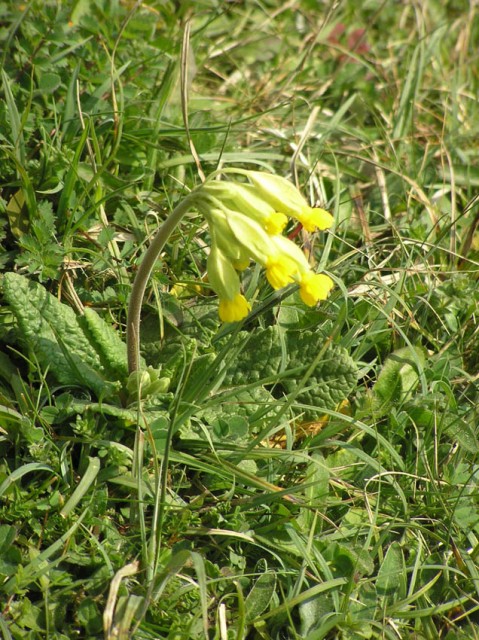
[141, 280]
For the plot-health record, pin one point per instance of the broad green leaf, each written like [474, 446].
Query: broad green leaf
[391, 579]
[274, 355]
[260, 357]
[254, 405]
[260, 596]
[461, 432]
[108, 344]
[89, 616]
[52, 333]
[312, 613]
[398, 378]
[332, 380]
[49, 82]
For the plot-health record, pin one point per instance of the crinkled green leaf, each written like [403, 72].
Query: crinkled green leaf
[255, 405]
[332, 380]
[200, 321]
[130, 416]
[182, 326]
[265, 354]
[53, 335]
[260, 357]
[108, 344]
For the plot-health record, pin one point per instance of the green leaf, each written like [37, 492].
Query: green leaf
[83, 486]
[332, 380]
[461, 432]
[260, 596]
[260, 357]
[49, 82]
[89, 616]
[398, 378]
[391, 579]
[10, 556]
[15, 121]
[108, 344]
[53, 335]
[286, 356]
[18, 214]
[20, 472]
[253, 405]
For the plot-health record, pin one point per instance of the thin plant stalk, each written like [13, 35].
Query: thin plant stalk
[141, 280]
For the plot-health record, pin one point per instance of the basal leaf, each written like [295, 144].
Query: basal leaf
[108, 344]
[332, 380]
[260, 357]
[255, 405]
[461, 432]
[52, 333]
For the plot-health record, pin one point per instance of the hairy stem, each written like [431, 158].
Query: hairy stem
[141, 280]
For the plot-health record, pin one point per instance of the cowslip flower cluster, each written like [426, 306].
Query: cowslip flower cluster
[246, 221]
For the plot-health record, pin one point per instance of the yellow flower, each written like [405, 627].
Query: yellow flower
[280, 270]
[246, 221]
[314, 287]
[244, 198]
[315, 218]
[222, 275]
[283, 196]
[233, 310]
[275, 223]
[224, 237]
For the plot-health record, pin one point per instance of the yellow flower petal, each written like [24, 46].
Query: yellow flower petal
[280, 270]
[275, 223]
[234, 310]
[316, 218]
[314, 287]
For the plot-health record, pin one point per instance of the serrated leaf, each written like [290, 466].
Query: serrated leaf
[52, 333]
[332, 380]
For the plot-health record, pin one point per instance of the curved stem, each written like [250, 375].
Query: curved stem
[141, 280]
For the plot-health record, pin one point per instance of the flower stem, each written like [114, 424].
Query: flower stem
[141, 280]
